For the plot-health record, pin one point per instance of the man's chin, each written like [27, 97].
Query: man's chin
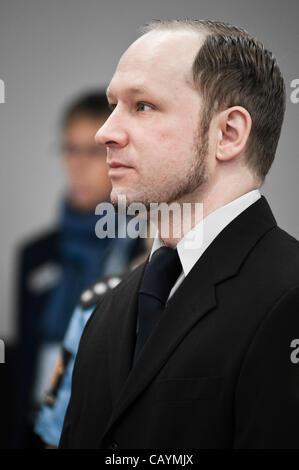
[122, 194]
[125, 197]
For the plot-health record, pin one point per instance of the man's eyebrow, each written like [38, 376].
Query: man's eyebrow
[130, 90]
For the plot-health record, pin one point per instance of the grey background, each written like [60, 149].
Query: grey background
[50, 50]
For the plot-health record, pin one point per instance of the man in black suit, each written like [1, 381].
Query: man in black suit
[193, 349]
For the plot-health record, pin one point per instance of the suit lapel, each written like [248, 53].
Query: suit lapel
[179, 317]
[194, 299]
[122, 331]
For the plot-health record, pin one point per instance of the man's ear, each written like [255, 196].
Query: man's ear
[234, 125]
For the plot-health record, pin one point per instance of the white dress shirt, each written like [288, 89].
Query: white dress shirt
[205, 232]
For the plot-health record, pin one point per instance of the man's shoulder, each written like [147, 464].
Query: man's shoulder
[283, 244]
[274, 261]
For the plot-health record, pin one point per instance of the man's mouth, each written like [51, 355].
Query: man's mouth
[116, 168]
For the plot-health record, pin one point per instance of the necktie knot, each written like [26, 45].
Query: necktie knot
[161, 273]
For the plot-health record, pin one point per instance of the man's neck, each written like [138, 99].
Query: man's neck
[189, 212]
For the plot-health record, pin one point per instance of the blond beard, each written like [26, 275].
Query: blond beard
[194, 180]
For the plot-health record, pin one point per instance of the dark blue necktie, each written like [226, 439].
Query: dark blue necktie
[159, 277]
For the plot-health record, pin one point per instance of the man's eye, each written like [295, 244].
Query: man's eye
[143, 107]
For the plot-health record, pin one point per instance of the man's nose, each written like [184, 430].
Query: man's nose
[112, 133]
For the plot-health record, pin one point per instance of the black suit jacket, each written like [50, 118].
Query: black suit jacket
[217, 370]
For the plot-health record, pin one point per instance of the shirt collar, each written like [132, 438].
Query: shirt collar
[196, 241]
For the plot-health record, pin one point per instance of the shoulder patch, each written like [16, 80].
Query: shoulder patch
[93, 294]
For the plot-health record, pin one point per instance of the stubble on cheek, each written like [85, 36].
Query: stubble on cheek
[168, 174]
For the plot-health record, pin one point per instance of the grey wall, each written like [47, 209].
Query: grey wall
[50, 50]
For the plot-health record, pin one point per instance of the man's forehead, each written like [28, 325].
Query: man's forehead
[157, 55]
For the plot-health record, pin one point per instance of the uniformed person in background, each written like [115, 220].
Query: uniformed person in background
[50, 419]
[56, 266]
